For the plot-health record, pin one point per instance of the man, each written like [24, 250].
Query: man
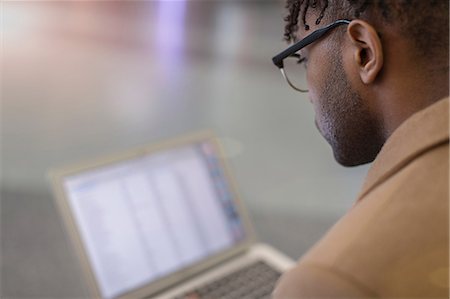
[378, 78]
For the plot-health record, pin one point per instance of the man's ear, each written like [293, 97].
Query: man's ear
[367, 50]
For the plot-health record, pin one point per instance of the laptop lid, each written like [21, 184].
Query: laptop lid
[147, 219]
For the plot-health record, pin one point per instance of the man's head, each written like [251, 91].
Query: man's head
[366, 78]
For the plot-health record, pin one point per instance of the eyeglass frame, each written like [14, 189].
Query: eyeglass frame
[309, 39]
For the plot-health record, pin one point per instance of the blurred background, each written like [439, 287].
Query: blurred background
[83, 79]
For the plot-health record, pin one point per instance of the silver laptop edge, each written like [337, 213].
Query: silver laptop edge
[67, 215]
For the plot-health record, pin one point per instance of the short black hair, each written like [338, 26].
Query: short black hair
[424, 22]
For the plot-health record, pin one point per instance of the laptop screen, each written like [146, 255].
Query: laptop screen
[150, 216]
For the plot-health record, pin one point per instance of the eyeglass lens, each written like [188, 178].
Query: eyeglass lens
[295, 70]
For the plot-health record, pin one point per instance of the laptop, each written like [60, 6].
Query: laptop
[165, 221]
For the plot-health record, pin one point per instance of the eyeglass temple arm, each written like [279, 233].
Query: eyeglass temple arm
[278, 60]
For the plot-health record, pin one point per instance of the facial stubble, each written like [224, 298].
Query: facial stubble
[345, 120]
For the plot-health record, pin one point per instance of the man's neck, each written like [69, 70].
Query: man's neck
[410, 95]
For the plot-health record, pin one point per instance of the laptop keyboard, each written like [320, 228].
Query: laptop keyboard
[255, 281]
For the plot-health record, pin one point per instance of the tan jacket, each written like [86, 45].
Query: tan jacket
[394, 242]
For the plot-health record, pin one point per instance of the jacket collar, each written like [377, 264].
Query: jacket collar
[424, 130]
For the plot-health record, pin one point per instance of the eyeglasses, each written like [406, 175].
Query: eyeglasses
[289, 61]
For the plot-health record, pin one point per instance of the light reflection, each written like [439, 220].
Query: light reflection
[229, 33]
[18, 23]
[170, 35]
[229, 38]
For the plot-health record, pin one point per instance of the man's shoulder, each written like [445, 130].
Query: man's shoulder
[424, 177]
[311, 280]
[393, 242]
[422, 182]
[421, 140]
